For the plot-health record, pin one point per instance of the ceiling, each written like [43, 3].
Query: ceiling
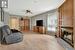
[18, 7]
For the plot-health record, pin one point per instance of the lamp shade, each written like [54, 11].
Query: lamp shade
[4, 3]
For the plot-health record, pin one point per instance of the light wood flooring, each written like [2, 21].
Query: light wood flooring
[34, 42]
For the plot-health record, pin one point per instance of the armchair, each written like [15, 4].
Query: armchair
[9, 37]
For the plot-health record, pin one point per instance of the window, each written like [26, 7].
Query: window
[14, 23]
[52, 22]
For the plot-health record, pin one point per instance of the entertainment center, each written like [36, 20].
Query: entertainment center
[39, 27]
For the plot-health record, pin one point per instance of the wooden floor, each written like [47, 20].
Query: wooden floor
[34, 42]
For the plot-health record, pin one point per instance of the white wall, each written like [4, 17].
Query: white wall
[39, 17]
[6, 18]
[43, 17]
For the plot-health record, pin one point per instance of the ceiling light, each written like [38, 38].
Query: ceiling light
[4, 3]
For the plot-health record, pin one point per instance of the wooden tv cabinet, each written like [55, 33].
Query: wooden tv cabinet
[39, 29]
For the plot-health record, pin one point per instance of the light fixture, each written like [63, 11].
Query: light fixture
[3, 4]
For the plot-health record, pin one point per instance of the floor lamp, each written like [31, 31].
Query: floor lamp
[3, 4]
[2, 14]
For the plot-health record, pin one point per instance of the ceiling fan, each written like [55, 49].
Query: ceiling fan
[27, 11]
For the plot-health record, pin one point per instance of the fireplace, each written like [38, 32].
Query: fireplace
[67, 35]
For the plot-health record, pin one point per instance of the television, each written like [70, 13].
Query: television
[39, 23]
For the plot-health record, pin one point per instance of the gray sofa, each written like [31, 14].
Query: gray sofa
[8, 37]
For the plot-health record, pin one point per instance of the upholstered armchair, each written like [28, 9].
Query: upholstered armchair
[9, 37]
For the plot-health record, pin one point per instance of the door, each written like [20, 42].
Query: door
[25, 25]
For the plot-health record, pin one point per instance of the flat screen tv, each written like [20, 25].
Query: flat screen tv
[39, 23]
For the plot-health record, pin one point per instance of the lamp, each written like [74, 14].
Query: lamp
[3, 4]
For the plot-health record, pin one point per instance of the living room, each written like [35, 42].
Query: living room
[54, 21]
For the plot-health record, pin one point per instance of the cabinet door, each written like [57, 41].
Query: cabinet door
[42, 30]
